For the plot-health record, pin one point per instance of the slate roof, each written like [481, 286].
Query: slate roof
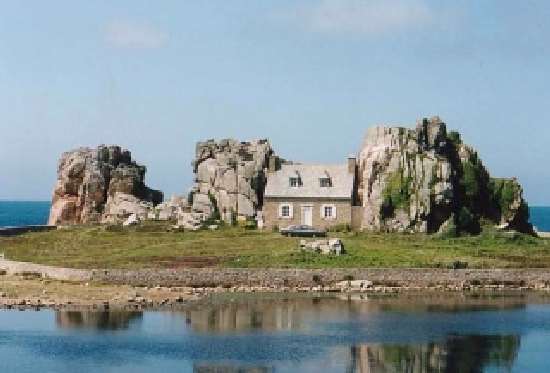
[278, 183]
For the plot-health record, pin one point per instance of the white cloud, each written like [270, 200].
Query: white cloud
[365, 17]
[132, 35]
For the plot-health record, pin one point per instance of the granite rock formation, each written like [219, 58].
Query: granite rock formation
[230, 178]
[100, 185]
[428, 180]
[169, 210]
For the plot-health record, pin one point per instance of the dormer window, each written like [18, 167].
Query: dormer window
[325, 182]
[295, 182]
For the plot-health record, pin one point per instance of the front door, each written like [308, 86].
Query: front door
[307, 215]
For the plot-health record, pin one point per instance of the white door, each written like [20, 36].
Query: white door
[307, 215]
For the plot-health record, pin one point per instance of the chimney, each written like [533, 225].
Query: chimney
[273, 164]
[352, 162]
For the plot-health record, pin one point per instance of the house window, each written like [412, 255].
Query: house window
[325, 182]
[328, 212]
[295, 182]
[285, 211]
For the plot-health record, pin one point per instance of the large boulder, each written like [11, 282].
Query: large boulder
[100, 185]
[427, 180]
[171, 209]
[230, 177]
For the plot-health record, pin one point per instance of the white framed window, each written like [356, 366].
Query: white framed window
[328, 212]
[295, 182]
[325, 182]
[285, 211]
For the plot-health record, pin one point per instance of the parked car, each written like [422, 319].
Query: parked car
[302, 231]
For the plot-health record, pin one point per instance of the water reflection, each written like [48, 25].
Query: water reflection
[299, 313]
[455, 354]
[450, 353]
[253, 334]
[99, 320]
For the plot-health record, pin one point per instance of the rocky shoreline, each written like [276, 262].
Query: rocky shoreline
[32, 286]
[128, 298]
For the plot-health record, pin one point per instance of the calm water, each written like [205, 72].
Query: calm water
[30, 213]
[16, 213]
[540, 217]
[259, 334]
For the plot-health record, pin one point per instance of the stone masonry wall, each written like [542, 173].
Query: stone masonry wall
[208, 277]
[416, 277]
[271, 213]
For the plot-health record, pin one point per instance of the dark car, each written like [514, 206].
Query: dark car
[302, 231]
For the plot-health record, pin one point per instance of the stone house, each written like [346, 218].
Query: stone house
[321, 196]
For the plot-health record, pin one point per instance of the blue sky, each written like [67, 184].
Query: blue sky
[311, 76]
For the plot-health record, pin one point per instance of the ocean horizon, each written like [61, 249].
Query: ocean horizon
[20, 213]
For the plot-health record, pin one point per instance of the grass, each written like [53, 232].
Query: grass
[151, 246]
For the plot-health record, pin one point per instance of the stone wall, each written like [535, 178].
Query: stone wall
[271, 212]
[421, 277]
[209, 277]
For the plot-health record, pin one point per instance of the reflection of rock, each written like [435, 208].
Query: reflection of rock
[294, 313]
[245, 316]
[455, 354]
[101, 320]
[100, 185]
[265, 314]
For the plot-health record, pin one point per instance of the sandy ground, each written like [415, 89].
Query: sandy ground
[20, 291]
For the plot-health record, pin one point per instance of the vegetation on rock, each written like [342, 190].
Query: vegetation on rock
[397, 194]
[435, 181]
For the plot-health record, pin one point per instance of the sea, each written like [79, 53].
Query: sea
[18, 213]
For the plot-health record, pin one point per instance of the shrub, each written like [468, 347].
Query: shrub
[467, 222]
[250, 224]
[457, 264]
[397, 193]
[340, 228]
[113, 228]
[503, 193]
[454, 138]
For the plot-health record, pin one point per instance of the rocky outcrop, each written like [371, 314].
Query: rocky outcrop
[170, 210]
[332, 246]
[427, 180]
[98, 186]
[230, 178]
